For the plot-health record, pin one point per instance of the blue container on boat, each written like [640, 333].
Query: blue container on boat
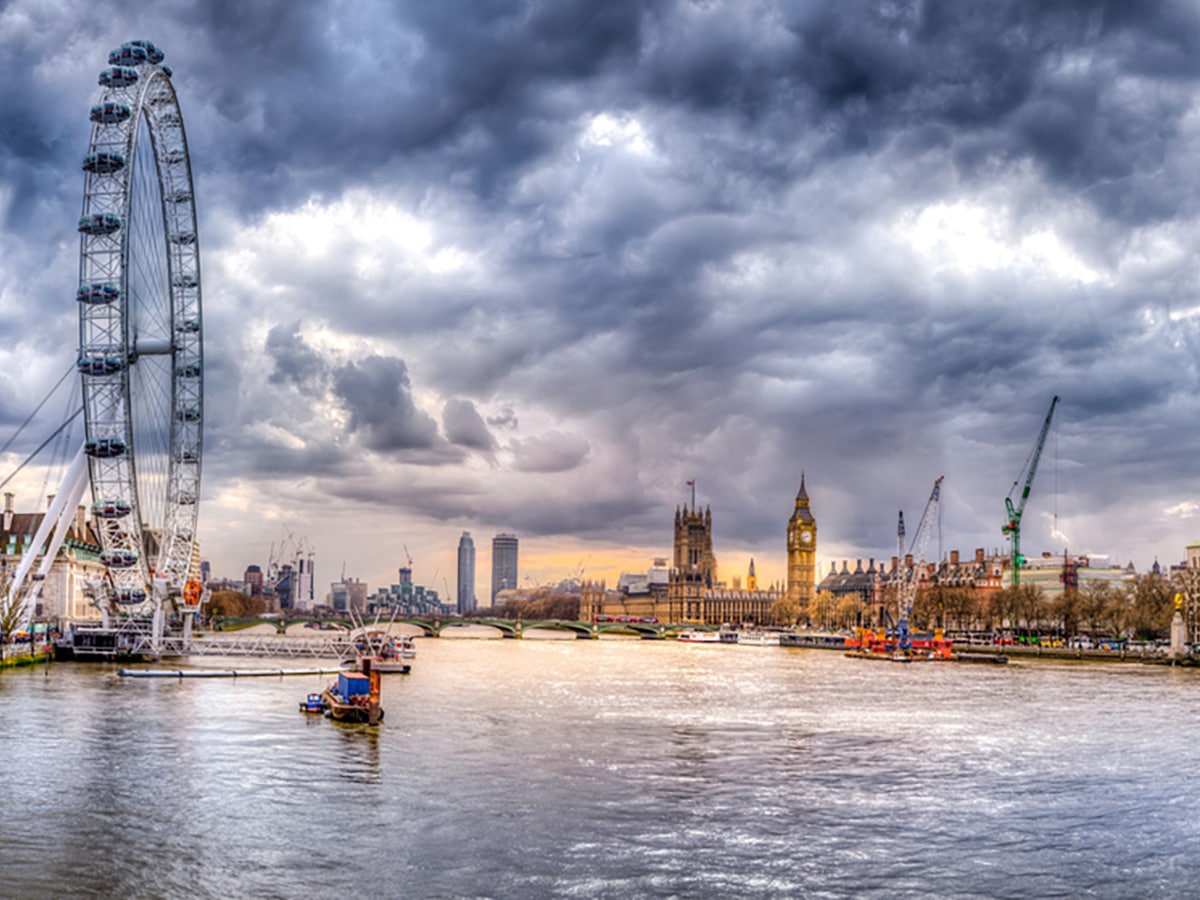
[351, 684]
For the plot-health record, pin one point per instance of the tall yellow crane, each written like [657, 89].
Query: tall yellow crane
[1013, 526]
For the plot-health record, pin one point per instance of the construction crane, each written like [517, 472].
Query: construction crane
[1013, 526]
[908, 588]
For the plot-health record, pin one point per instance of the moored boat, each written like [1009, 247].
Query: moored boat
[312, 704]
[387, 655]
[354, 697]
[759, 638]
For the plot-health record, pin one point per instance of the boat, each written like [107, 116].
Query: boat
[818, 640]
[354, 697]
[312, 704]
[759, 638]
[388, 655]
[700, 636]
[387, 651]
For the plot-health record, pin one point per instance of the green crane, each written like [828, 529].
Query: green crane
[1013, 526]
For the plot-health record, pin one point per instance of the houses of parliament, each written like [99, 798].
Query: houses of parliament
[690, 589]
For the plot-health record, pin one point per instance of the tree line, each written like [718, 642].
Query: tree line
[1141, 609]
[541, 603]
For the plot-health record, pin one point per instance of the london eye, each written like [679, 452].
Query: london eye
[140, 355]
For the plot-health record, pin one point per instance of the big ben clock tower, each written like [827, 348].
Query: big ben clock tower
[801, 550]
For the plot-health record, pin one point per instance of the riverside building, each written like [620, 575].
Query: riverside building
[693, 590]
[61, 595]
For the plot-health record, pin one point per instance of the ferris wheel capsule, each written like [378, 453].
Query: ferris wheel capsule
[98, 224]
[104, 448]
[118, 77]
[111, 509]
[106, 162]
[127, 596]
[127, 55]
[97, 292]
[119, 558]
[100, 365]
[110, 113]
[153, 54]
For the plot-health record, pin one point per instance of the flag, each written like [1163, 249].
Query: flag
[691, 484]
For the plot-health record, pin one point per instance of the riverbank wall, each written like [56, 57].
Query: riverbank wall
[13, 655]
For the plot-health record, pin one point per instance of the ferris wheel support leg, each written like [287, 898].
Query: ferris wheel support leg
[159, 589]
[77, 470]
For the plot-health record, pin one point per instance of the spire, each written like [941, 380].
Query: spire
[802, 513]
[802, 496]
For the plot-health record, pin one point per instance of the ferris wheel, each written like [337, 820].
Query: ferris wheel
[140, 356]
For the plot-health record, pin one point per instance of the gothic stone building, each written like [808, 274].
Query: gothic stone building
[694, 592]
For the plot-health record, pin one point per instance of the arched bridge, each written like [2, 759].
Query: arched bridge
[433, 626]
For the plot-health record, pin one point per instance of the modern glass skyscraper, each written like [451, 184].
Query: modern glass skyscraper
[466, 573]
[504, 564]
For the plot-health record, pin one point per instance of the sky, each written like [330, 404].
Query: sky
[530, 267]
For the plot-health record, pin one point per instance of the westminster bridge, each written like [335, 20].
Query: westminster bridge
[434, 626]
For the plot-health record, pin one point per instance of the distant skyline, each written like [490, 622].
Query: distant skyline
[531, 268]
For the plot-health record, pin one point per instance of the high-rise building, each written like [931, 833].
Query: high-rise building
[466, 573]
[254, 581]
[348, 595]
[504, 564]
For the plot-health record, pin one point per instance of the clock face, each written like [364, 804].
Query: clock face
[806, 536]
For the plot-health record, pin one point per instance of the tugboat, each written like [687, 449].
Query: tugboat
[312, 704]
[354, 697]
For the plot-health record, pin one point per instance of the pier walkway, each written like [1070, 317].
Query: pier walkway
[259, 645]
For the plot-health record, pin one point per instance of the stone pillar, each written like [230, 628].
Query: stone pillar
[1178, 630]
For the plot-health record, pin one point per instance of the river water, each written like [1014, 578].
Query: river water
[608, 769]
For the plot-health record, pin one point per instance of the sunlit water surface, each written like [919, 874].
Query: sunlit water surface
[608, 769]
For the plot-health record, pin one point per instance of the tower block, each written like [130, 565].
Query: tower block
[801, 551]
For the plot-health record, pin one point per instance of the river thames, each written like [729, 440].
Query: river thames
[543, 768]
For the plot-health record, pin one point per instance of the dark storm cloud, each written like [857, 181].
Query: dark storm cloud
[294, 361]
[464, 425]
[378, 396]
[683, 238]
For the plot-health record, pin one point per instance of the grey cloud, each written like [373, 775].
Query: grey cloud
[552, 452]
[506, 418]
[733, 299]
[294, 361]
[465, 426]
[377, 394]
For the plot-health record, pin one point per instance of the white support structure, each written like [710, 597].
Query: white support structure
[57, 518]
